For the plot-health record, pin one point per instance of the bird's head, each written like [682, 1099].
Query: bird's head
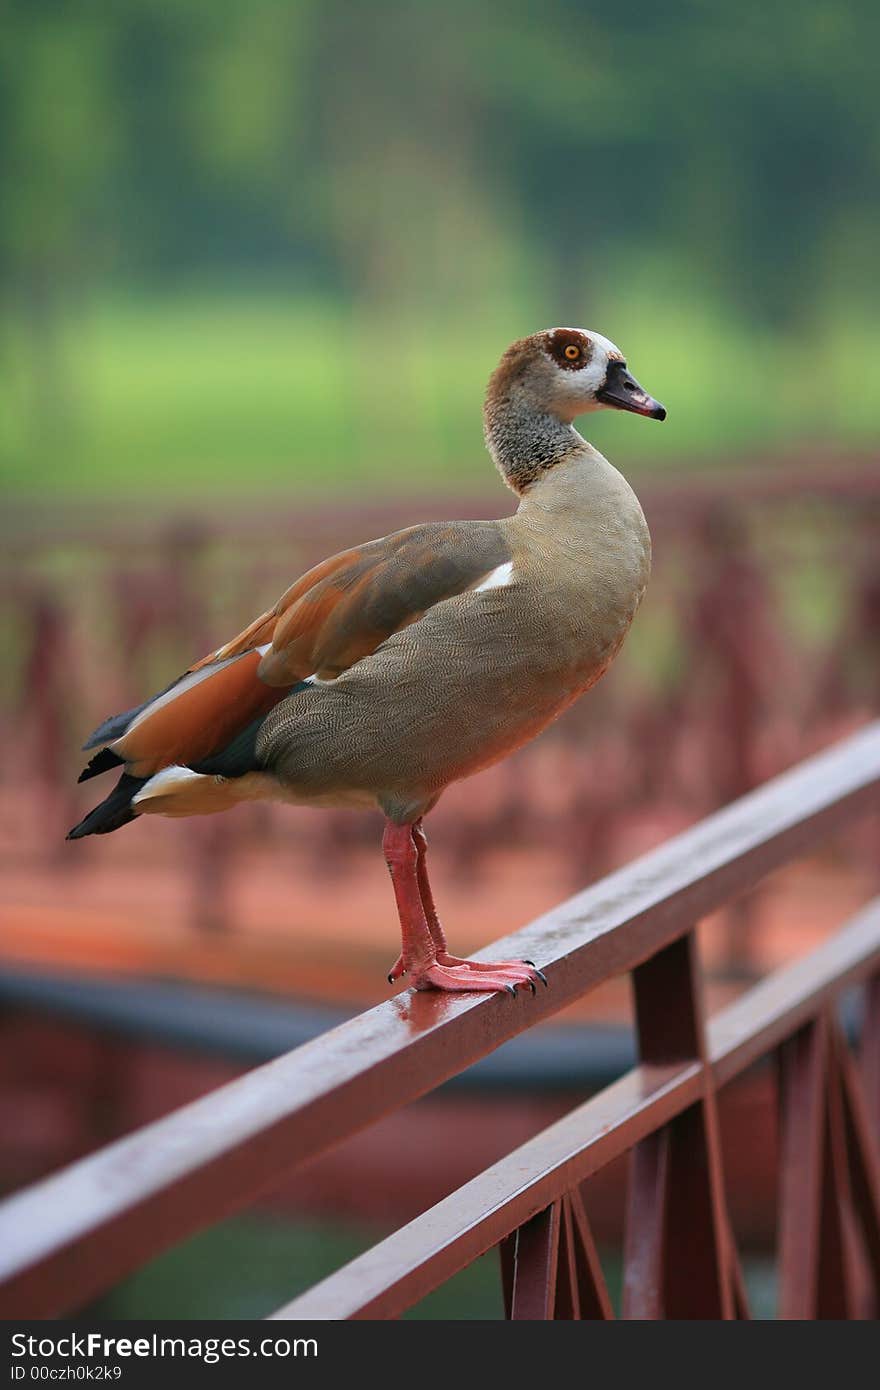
[568, 372]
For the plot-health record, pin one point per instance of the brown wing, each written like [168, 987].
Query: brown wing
[345, 608]
[337, 613]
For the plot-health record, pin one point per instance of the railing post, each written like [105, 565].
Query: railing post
[841, 1272]
[550, 1267]
[829, 1208]
[802, 1067]
[536, 1261]
[645, 1233]
[863, 1150]
[679, 1264]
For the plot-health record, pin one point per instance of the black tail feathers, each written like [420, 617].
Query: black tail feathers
[235, 760]
[113, 812]
[101, 762]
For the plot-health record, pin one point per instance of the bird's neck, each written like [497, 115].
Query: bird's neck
[525, 441]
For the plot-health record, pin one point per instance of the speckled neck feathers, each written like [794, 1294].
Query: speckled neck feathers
[524, 441]
[522, 435]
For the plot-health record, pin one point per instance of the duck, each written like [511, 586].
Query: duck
[395, 668]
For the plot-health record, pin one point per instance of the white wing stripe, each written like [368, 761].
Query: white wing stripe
[500, 578]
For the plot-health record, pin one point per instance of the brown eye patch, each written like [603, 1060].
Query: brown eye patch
[569, 348]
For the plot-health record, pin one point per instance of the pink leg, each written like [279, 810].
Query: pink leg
[425, 956]
[443, 955]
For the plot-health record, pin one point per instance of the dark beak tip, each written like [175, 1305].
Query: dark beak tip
[660, 412]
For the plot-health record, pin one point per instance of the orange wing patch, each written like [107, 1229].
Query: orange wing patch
[198, 716]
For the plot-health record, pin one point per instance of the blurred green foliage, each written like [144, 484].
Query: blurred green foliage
[252, 1264]
[249, 243]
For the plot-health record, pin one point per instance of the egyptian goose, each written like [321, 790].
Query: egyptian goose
[395, 668]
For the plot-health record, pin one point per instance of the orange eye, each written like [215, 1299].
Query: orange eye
[572, 352]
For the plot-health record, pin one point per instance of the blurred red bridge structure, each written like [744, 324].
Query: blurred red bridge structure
[73, 1235]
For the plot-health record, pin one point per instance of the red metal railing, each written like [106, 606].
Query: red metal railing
[73, 1235]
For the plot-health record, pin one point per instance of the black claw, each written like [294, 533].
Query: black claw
[541, 976]
[531, 985]
[511, 989]
[529, 962]
[391, 979]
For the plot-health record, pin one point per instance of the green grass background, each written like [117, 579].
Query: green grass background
[217, 391]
